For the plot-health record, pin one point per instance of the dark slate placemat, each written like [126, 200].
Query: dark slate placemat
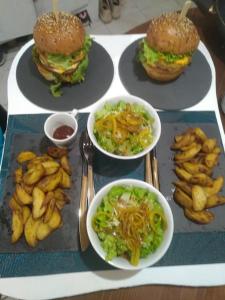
[186, 246]
[167, 176]
[64, 238]
[187, 90]
[98, 78]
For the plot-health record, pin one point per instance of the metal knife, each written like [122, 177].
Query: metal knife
[84, 240]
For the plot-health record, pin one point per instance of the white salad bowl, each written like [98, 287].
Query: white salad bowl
[121, 262]
[156, 126]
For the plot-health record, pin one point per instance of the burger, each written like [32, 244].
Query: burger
[61, 49]
[168, 46]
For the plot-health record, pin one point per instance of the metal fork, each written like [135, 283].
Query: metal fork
[88, 150]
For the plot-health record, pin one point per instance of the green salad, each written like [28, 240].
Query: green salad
[129, 222]
[123, 128]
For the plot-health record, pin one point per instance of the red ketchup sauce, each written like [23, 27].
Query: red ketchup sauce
[63, 132]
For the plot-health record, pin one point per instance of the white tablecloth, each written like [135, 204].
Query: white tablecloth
[62, 285]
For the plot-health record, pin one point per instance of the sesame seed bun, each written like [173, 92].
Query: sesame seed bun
[59, 33]
[168, 34]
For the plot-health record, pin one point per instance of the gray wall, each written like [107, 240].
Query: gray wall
[17, 17]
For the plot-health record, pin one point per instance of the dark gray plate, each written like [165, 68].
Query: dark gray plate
[186, 91]
[64, 238]
[98, 78]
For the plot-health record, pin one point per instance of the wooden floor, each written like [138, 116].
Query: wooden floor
[157, 293]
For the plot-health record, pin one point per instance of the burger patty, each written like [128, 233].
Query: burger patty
[58, 68]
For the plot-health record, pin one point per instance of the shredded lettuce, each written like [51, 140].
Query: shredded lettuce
[151, 56]
[55, 89]
[105, 222]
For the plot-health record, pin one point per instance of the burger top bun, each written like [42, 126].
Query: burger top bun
[168, 34]
[60, 33]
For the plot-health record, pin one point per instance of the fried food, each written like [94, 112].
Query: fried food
[56, 152]
[49, 210]
[65, 181]
[50, 182]
[14, 205]
[199, 198]
[18, 175]
[30, 231]
[182, 198]
[38, 209]
[17, 226]
[34, 174]
[215, 200]
[39, 195]
[22, 196]
[43, 231]
[196, 156]
[25, 156]
[189, 154]
[65, 164]
[200, 217]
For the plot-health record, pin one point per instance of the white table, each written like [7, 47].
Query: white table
[62, 285]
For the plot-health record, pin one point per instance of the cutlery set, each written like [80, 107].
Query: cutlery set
[87, 186]
[87, 183]
[151, 169]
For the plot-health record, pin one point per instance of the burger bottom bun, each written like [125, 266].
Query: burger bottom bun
[162, 73]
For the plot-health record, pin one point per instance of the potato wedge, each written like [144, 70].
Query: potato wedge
[25, 156]
[55, 220]
[27, 188]
[187, 155]
[56, 152]
[33, 175]
[182, 174]
[185, 148]
[17, 226]
[38, 209]
[217, 150]
[215, 200]
[50, 167]
[50, 182]
[199, 198]
[43, 231]
[49, 210]
[23, 197]
[26, 212]
[182, 198]
[201, 179]
[30, 231]
[184, 186]
[14, 205]
[209, 145]
[215, 188]
[194, 168]
[65, 164]
[211, 160]
[65, 180]
[18, 174]
[200, 134]
[48, 198]
[200, 217]
[185, 140]
[38, 160]
[61, 198]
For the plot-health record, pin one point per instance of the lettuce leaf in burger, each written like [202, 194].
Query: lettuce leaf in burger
[61, 49]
